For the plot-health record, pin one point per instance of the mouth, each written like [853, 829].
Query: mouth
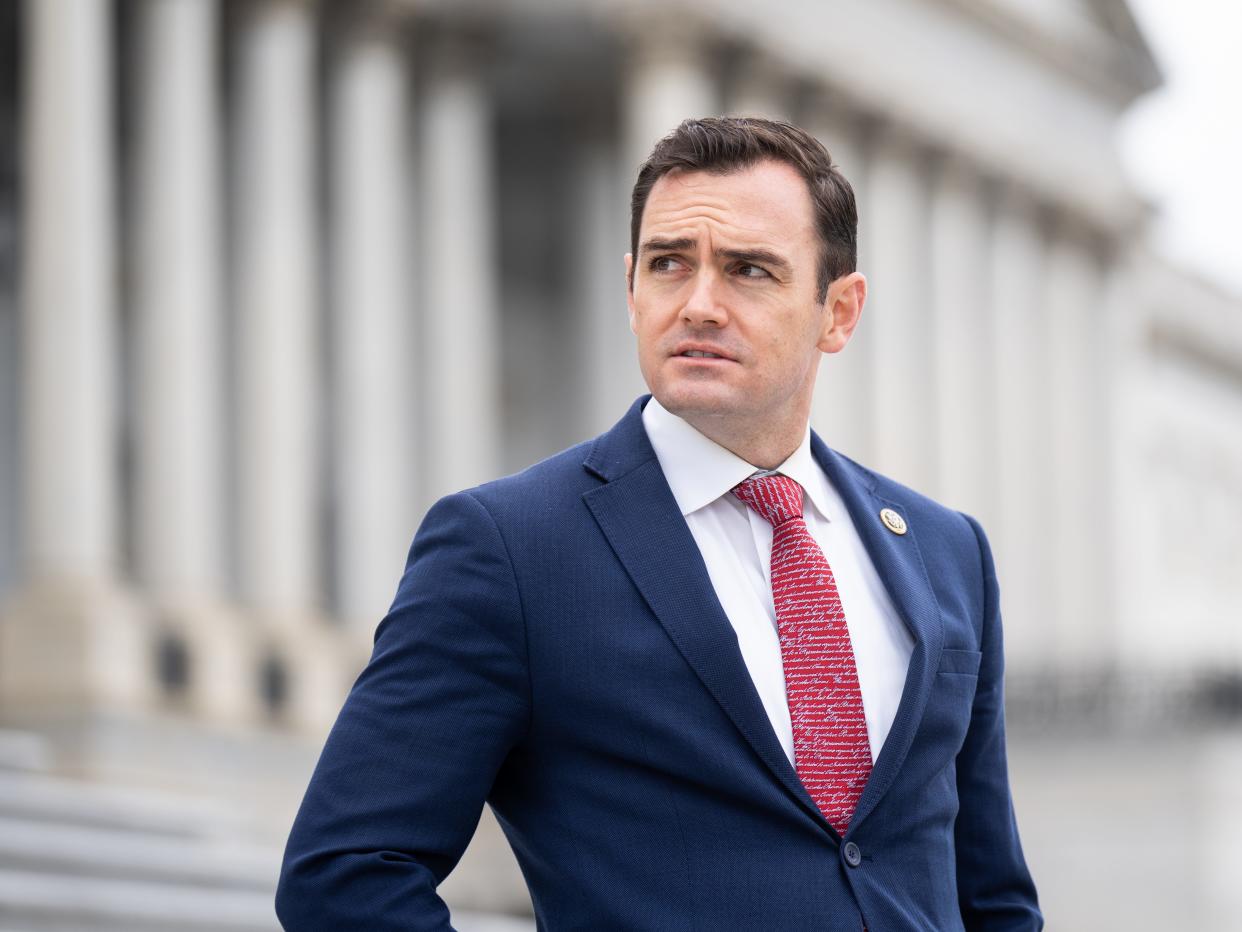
[701, 352]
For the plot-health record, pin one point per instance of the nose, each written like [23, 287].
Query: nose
[704, 306]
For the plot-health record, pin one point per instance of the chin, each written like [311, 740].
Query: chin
[695, 400]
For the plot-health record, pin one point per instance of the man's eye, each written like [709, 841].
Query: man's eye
[747, 270]
[663, 264]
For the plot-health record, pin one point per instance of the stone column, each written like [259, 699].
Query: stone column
[759, 87]
[901, 326]
[278, 390]
[10, 361]
[843, 411]
[179, 455]
[276, 309]
[177, 300]
[1078, 450]
[667, 80]
[1132, 512]
[962, 340]
[462, 440]
[69, 295]
[1021, 539]
[608, 376]
[71, 641]
[376, 474]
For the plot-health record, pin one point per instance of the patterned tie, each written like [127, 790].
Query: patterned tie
[831, 751]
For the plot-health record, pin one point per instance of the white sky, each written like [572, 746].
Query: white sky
[1183, 143]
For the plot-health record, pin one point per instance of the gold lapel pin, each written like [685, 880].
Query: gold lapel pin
[893, 521]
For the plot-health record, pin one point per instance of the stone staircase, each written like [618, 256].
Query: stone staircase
[78, 855]
[83, 856]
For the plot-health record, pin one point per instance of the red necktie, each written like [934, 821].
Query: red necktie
[831, 751]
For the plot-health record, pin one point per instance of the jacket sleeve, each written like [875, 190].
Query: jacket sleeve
[994, 886]
[401, 782]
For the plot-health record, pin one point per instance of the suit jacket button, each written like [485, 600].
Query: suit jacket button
[853, 856]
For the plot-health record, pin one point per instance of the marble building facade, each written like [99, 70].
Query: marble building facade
[276, 274]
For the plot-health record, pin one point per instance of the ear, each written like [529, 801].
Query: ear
[843, 307]
[629, 289]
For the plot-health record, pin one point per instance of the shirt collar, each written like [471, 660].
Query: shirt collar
[700, 470]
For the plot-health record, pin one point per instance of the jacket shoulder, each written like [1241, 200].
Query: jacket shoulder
[544, 494]
[564, 477]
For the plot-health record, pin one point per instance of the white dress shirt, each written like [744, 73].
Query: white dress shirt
[736, 544]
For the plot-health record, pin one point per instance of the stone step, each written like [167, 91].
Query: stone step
[38, 901]
[41, 902]
[34, 795]
[486, 922]
[82, 851]
[80, 856]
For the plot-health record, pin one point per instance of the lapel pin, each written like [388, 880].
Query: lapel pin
[893, 521]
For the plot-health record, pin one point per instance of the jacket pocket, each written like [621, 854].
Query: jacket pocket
[964, 662]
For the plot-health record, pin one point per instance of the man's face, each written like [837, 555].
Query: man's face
[723, 296]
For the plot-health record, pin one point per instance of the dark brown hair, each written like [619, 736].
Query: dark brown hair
[722, 145]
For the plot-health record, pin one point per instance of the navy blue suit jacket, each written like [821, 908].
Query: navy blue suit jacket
[557, 650]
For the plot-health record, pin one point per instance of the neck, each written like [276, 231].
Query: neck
[764, 445]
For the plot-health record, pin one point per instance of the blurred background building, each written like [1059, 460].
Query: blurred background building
[275, 274]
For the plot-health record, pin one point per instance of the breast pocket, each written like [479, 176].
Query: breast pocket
[947, 716]
[963, 662]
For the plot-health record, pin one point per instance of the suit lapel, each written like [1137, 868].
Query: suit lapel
[637, 512]
[899, 562]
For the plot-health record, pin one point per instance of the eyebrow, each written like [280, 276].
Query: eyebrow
[667, 245]
[756, 256]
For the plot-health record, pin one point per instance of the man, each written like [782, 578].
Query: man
[708, 673]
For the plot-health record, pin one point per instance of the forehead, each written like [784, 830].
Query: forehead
[768, 201]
